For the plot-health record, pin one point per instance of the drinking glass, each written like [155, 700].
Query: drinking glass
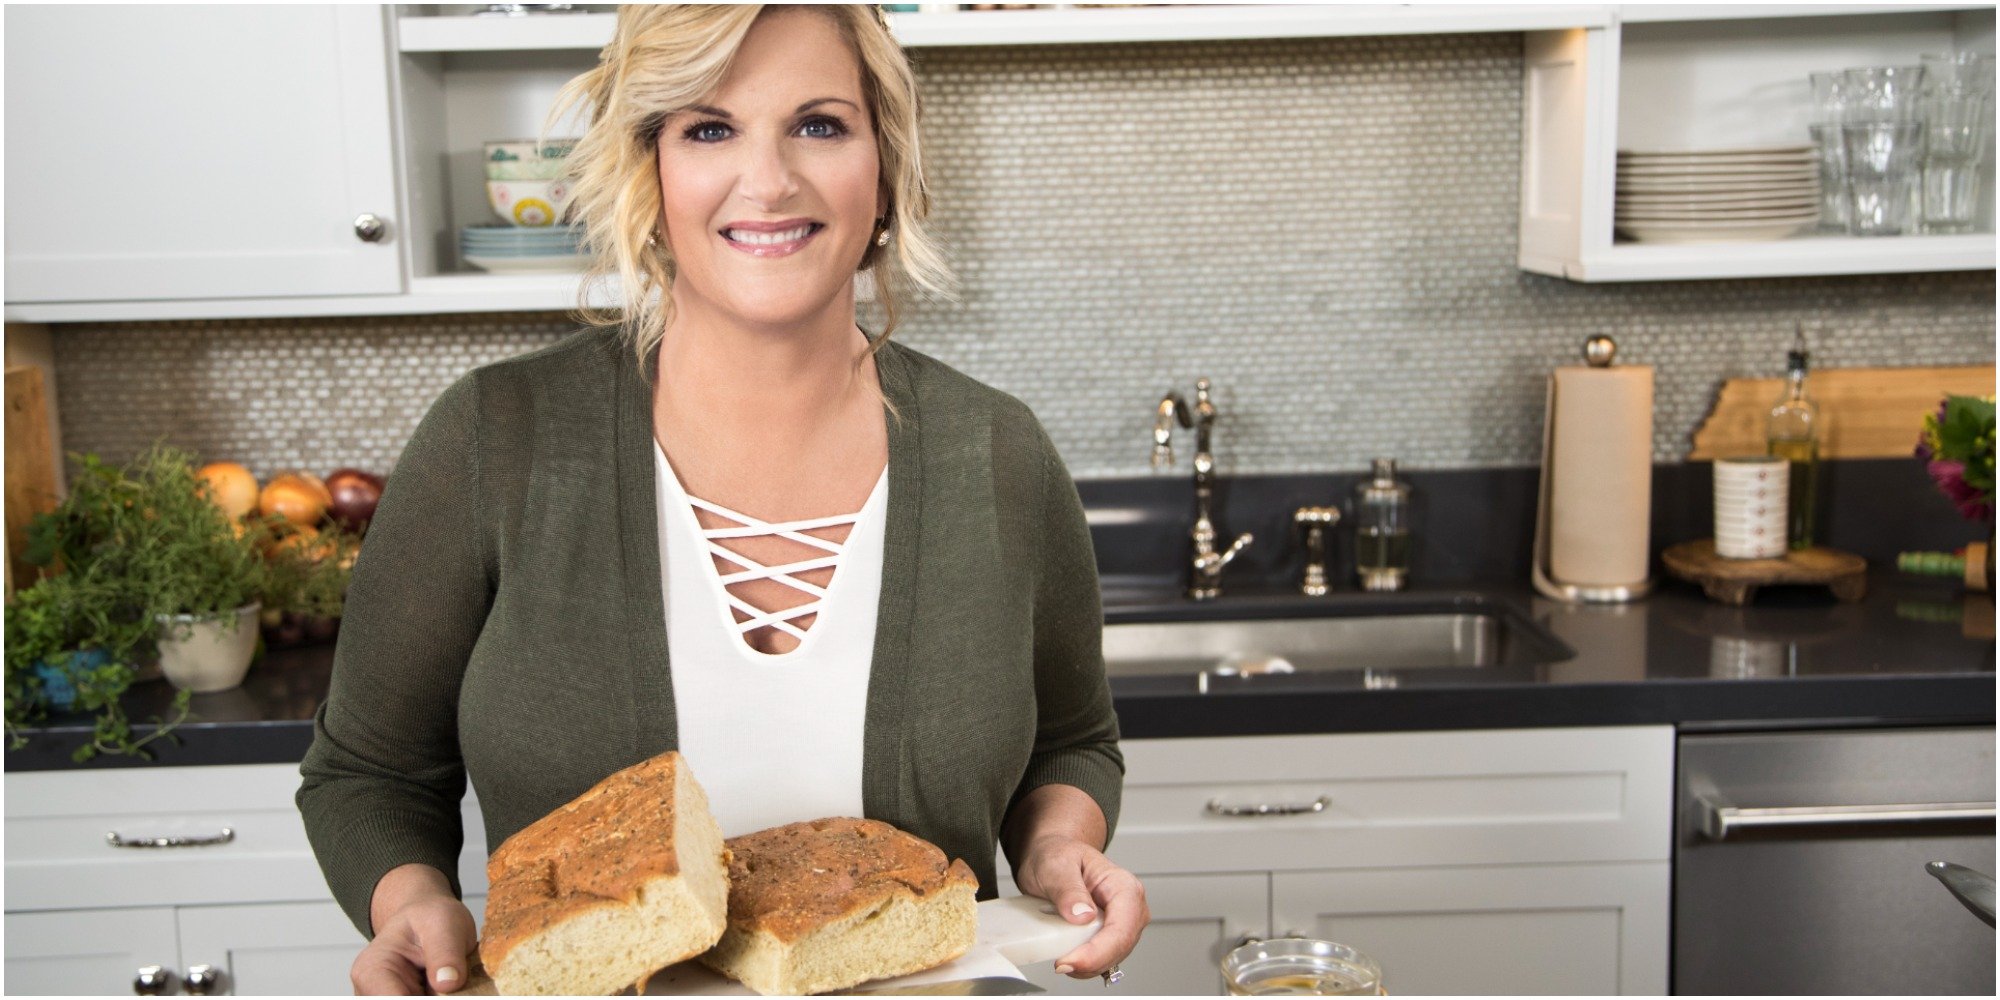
[1957, 105]
[1959, 71]
[1828, 99]
[1882, 138]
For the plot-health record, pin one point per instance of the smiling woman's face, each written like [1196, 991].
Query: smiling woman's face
[770, 188]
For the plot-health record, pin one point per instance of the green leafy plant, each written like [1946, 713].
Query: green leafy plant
[1957, 448]
[127, 546]
[91, 630]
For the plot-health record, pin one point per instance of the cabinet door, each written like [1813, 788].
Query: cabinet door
[82, 952]
[188, 152]
[1195, 919]
[284, 949]
[1547, 929]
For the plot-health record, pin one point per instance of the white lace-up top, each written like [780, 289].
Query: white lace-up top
[773, 738]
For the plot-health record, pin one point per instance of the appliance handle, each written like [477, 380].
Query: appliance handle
[1719, 819]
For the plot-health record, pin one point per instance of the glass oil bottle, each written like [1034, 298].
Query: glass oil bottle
[1382, 529]
[1792, 432]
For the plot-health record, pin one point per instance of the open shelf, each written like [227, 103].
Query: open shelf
[448, 293]
[1786, 258]
[1694, 77]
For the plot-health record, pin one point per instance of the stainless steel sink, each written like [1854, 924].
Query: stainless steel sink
[1480, 637]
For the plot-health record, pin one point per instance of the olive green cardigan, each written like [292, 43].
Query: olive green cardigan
[505, 620]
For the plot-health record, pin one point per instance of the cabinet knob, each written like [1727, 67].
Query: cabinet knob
[203, 980]
[370, 227]
[153, 981]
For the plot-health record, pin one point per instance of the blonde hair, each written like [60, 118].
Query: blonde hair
[664, 57]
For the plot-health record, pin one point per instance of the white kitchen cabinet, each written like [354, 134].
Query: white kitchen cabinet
[272, 949]
[1709, 78]
[1527, 929]
[1434, 852]
[228, 184]
[181, 152]
[284, 949]
[88, 951]
[82, 913]
[1451, 839]
[1389, 800]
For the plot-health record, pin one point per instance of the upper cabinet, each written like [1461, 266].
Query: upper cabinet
[198, 152]
[184, 162]
[1712, 77]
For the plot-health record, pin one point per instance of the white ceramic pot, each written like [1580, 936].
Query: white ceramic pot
[204, 653]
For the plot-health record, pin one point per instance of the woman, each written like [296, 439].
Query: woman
[871, 574]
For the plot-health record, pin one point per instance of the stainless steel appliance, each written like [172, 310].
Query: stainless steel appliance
[1799, 862]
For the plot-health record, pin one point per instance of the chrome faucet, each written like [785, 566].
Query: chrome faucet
[1205, 572]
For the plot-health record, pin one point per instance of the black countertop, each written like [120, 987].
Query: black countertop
[1913, 652]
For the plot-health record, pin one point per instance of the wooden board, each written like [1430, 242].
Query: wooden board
[31, 465]
[1867, 412]
[1735, 581]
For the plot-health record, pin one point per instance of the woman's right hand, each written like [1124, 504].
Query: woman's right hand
[422, 936]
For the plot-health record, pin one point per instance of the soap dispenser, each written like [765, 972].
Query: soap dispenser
[1382, 529]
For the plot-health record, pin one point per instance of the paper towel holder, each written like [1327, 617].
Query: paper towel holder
[1598, 352]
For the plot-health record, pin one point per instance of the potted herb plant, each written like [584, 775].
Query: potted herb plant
[183, 575]
[73, 640]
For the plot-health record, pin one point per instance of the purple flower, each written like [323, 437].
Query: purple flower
[1950, 478]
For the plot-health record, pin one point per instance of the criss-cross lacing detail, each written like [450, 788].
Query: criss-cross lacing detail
[751, 527]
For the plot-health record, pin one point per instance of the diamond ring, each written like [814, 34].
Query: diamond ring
[1112, 975]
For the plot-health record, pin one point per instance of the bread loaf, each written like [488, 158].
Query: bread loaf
[832, 903]
[629, 877]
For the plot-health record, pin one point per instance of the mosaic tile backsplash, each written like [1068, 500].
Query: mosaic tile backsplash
[1324, 227]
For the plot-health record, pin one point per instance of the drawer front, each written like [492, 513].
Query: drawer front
[59, 856]
[1397, 799]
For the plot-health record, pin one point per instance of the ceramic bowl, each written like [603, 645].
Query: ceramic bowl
[523, 160]
[208, 653]
[528, 203]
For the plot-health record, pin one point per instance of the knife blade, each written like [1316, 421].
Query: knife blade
[984, 986]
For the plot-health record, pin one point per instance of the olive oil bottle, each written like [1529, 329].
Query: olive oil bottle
[1792, 433]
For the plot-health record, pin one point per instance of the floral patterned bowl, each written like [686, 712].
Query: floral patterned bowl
[529, 203]
[524, 160]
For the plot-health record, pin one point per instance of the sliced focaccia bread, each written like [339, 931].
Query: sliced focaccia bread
[629, 877]
[831, 903]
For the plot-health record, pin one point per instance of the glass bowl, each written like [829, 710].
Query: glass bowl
[1296, 966]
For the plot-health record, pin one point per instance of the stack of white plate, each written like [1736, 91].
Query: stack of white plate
[504, 248]
[1713, 195]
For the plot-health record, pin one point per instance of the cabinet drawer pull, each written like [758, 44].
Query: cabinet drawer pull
[115, 840]
[1216, 808]
[1719, 819]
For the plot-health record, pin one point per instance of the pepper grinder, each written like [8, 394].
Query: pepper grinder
[1382, 529]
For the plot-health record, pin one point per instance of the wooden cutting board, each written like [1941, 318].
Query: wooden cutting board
[31, 465]
[1867, 412]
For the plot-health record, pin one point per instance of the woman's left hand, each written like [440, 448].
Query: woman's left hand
[1082, 882]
